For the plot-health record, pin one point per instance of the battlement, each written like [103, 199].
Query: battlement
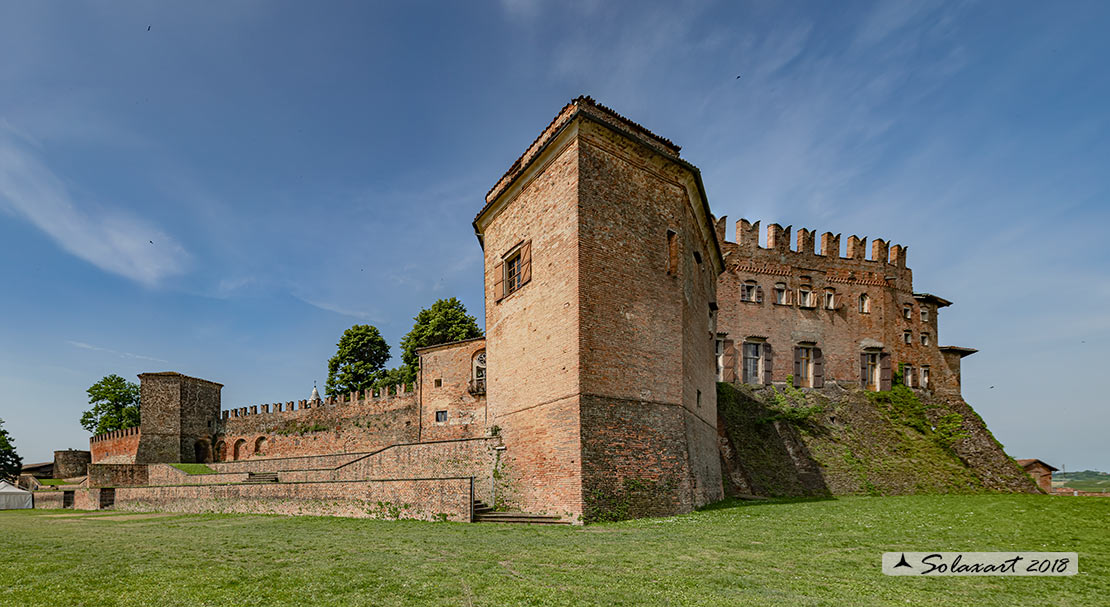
[377, 396]
[115, 434]
[778, 241]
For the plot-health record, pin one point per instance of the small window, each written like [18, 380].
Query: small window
[438, 383]
[672, 252]
[864, 304]
[804, 366]
[747, 291]
[924, 314]
[907, 337]
[478, 373]
[907, 312]
[441, 416]
[830, 299]
[720, 359]
[806, 297]
[924, 339]
[514, 271]
[780, 294]
[924, 377]
[697, 257]
[871, 370]
[908, 376]
[753, 362]
[699, 399]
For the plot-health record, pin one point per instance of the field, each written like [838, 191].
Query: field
[772, 553]
[1086, 480]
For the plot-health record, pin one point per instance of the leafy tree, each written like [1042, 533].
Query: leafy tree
[359, 361]
[115, 405]
[445, 321]
[10, 462]
[395, 376]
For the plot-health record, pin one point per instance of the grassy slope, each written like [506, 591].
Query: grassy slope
[858, 442]
[801, 553]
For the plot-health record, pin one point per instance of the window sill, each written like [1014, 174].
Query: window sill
[807, 307]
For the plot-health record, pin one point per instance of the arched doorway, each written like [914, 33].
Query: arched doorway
[260, 446]
[202, 451]
[240, 450]
[221, 451]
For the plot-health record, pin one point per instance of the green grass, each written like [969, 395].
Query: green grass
[194, 468]
[51, 481]
[1086, 480]
[768, 553]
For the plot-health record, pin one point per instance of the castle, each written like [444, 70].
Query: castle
[613, 306]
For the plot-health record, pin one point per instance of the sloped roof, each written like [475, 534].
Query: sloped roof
[1026, 463]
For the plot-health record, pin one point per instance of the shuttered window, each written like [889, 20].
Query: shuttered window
[728, 361]
[884, 371]
[803, 367]
[753, 359]
[513, 272]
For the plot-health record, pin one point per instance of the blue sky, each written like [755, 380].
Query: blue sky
[224, 193]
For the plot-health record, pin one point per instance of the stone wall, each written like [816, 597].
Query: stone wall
[48, 500]
[117, 475]
[71, 463]
[118, 447]
[425, 499]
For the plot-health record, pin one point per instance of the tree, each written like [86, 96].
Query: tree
[115, 405]
[10, 462]
[358, 362]
[444, 322]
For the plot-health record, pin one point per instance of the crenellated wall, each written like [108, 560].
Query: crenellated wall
[117, 447]
[832, 319]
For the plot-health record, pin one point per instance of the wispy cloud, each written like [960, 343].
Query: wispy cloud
[360, 314]
[84, 346]
[110, 239]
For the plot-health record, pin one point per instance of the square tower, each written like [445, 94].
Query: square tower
[177, 412]
[601, 264]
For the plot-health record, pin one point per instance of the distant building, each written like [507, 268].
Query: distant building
[1040, 471]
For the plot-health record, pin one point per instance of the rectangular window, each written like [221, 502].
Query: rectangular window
[925, 377]
[924, 339]
[441, 416]
[438, 383]
[907, 337]
[803, 367]
[720, 359]
[753, 362]
[908, 376]
[806, 298]
[924, 314]
[871, 370]
[747, 292]
[514, 271]
[830, 300]
[907, 312]
[780, 294]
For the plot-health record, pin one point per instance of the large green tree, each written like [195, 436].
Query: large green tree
[10, 462]
[359, 361]
[445, 321]
[115, 405]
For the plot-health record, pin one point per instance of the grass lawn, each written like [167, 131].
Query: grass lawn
[51, 481]
[194, 468]
[767, 553]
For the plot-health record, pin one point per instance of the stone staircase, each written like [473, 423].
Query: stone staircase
[484, 513]
[261, 477]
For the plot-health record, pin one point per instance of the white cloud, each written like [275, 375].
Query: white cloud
[85, 346]
[110, 239]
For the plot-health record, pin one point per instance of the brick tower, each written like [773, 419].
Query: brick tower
[600, 282]
[178, 412]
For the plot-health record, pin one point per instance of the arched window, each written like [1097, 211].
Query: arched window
[240, 449]
[864, 304]
[478, 373]
[260, 446]
[221, 451]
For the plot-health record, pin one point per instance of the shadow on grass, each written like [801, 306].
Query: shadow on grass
[732, 502]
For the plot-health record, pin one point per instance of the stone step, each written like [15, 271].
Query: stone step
[519, 517]
[261, 477]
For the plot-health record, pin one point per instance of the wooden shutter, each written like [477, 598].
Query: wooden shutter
[884, 371]
[499, 281]
[768, 359]
[759, 294]
[729, 361]
[526, 263]
[818, 369]
[863, 369]
[797, 367]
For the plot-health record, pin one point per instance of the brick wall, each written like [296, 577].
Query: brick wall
[118, 447]
[447, 385]
[841, 333]
[48, 500]
[71, 463]
[426, 499]
[117, 475]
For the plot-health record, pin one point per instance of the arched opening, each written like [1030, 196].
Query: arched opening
[260, 446]
[478, 373]
[240, 450]
[202, 451]
[221, 451]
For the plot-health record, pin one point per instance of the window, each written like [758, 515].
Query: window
[672, 252]
[924, 314]
[803, 366]
[514, 271]
[747, 291]
[441, 416]
[699, 399]
[780, 294]
[907, 312]
[806, 297]
[697, 257]
[830, 299]
[864, 304]
[478, 373]
[870, 368]
[753, 362]
[907, 337]
[438, 383]
[924, 339]
[908, 376]
[720, 359]
[924, 377]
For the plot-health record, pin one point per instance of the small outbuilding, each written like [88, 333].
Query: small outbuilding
[1040, 471]
[14, 498]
